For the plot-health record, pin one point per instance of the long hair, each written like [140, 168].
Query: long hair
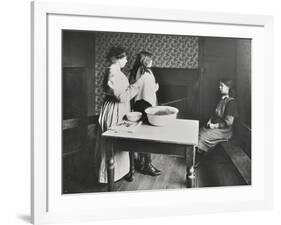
[141, 64]
[230, 84]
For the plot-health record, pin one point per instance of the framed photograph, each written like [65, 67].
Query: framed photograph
[140, 112]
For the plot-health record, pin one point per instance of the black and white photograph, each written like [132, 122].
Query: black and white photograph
[140, 112]
[147, 112]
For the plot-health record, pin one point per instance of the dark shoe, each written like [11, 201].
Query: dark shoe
[129, 177]
[157, 170]
[151, 170]
[198, 157]
[138, 165]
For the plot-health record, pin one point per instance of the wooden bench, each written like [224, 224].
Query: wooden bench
[238, 149]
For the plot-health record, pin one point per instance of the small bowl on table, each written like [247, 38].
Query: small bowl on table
[134, 116]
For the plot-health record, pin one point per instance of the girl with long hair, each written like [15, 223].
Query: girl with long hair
[145, 98]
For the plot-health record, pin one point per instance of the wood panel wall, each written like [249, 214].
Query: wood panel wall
[243, 78]
[178, 87]
[217, 61]
[79, 52]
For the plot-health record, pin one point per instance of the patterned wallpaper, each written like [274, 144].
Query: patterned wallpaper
[169, 51]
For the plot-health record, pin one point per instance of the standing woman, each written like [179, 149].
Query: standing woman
[116, 105]
[145, 98]
[219, 126]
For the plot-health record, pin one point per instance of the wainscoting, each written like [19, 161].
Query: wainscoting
[179, 87]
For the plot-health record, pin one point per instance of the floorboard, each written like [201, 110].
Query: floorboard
[215, 170]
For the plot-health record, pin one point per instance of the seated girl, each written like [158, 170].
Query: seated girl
[219, 127]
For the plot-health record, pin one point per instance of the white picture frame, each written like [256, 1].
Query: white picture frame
[48, 19]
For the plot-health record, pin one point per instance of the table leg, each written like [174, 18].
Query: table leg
[190, 171]
[132, 166]
[110, 167]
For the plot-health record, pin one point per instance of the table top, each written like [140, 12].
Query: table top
[179, 131]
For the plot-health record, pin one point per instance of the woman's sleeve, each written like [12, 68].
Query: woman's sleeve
[229, 115]
[231, 109]
[121, 94]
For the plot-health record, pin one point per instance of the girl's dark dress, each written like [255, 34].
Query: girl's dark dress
[209, 138]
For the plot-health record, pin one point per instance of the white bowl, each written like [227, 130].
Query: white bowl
[161, 115]
[134, 116]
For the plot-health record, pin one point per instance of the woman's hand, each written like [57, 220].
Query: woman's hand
[139, 82]
[214, 125]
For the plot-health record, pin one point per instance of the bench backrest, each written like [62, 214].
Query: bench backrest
[242, 136]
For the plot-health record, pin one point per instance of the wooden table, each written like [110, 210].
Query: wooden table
[177, 138]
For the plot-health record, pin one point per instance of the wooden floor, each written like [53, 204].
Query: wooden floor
[215, 170]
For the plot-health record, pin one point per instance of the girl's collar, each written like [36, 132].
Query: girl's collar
[224, 96]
